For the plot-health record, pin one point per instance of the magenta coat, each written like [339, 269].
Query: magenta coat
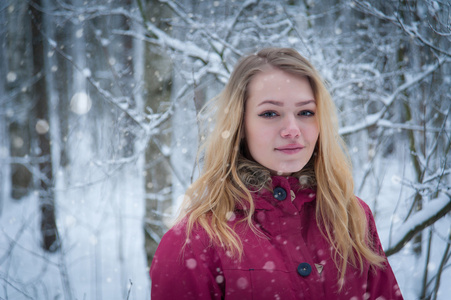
[294, 261]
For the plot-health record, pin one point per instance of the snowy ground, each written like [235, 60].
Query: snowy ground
[102, 255]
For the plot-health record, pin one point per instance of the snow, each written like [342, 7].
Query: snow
[42, 127]
[418, 219]
[11, 76]
[101, 230]
[389, 211]
[52, 43]
[80, 103]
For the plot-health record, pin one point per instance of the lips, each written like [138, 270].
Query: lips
[290, 149]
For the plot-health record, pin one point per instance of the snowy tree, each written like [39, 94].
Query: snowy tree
[75, 108]
[98, 117]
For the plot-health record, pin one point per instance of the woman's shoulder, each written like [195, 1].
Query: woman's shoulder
[371, 223]
[178, 235]
[177, 239]
[183, 266]
[366, 208]
[178, 246]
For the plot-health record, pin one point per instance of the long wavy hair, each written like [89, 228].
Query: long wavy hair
[228, 172]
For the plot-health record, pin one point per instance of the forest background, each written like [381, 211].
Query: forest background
[98, 127]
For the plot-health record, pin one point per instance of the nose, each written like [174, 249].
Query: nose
[290, 128]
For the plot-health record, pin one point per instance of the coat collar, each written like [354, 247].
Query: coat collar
[265, 200]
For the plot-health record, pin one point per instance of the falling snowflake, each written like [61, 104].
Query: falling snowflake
[80, 103]
[79, 33]
[225, 134]
[11, 76]
[219, 279]
[42, 127]
[242, 283]
[191, 263]
[269, 266]
[230, 216]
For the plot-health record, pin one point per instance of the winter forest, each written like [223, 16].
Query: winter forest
[99, 128]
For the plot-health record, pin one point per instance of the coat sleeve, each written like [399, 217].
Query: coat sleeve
[382, 283]
[190, 271]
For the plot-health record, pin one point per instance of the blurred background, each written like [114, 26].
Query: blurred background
[99, 134]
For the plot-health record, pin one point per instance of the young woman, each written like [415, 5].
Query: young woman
[273, 214]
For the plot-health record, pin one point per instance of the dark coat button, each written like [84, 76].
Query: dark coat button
[304, 269]
[280, 194]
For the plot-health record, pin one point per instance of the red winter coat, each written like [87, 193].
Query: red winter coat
[293, 262]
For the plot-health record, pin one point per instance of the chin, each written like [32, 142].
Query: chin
[288, 170]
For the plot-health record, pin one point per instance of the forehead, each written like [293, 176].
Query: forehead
[275, 83]
[271, 74]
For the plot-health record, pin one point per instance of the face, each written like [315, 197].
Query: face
[280, 122]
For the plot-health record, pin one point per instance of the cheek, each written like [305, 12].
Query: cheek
[257, 138]
[253, 138]
[314, 137]
[312, 133]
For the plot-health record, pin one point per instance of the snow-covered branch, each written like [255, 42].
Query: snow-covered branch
[26, 85]
[430, 213]
[389, 124]
[116, 101]
[376, 119]
[411, 30]
[188, 48]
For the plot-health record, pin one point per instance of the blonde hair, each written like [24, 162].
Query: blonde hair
[227, 171]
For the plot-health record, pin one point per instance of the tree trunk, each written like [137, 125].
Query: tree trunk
[5, 169]
[49, 231]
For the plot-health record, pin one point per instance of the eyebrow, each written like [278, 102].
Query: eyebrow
[280, 103]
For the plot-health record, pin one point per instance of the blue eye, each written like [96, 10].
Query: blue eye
[268, 114]
[307, 113]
